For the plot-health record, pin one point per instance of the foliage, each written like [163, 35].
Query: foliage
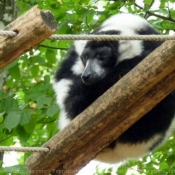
[28, 110]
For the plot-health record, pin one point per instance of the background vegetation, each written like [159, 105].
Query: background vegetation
[28, 110]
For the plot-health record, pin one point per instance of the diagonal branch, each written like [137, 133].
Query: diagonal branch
[109, 116]
[51, 47]
[153, 14]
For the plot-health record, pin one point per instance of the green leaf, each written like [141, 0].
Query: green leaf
[29, 127]
[46, 79]
[16, 170]
[36, 91]
[34, 70]
[25, 116]
[122, 170]
[1, 118]
[3, 95]
[52, 110]
[173, 165]
[12, 120]
[6, 141]
[15, 72]
[63, 27]
[50, 56]
[2, 169]
[10, 104]
[43, 100]
[148, 2]
[11, 65]
[23, 135]
[146, 8]
[37, 59]
[33, 94]
[163, 166]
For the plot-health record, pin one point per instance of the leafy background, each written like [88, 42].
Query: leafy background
[28, 110]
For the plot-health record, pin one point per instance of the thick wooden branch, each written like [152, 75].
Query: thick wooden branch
[110, 115]
[32, 27]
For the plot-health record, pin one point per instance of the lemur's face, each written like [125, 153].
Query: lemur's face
[97, 62]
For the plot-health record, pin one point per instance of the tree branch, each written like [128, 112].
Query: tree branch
[50, 47]
[153, 14]
[33, 27]
[109, 116]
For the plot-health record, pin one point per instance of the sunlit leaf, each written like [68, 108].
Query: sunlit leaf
[35, 71]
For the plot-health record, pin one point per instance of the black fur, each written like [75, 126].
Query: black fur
[81, 95]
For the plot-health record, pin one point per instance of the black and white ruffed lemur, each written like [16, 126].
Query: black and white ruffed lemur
[92, 67]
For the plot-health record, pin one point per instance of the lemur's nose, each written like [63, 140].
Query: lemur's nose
[86, 76]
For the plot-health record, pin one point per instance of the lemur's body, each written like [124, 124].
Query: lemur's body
[92, 67]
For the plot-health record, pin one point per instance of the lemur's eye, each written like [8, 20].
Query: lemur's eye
[102, 58]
